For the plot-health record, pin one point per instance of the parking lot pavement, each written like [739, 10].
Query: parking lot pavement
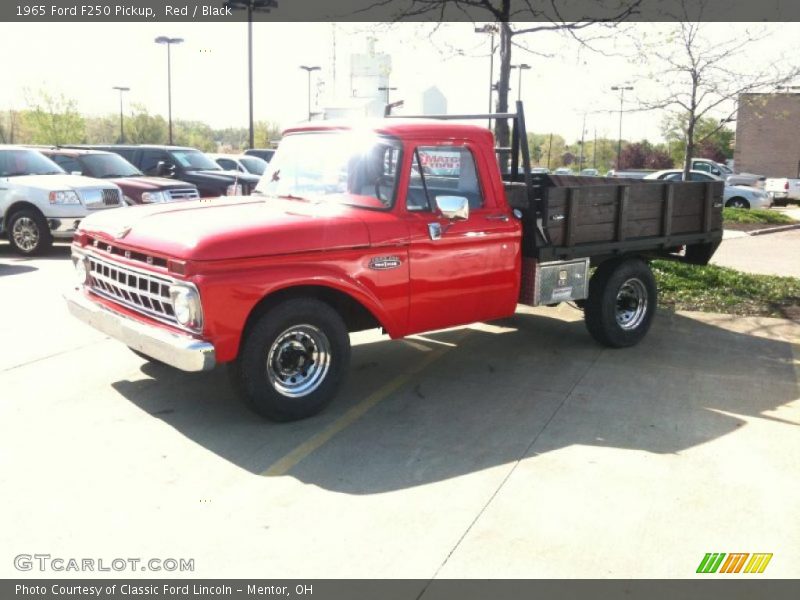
[513, 449]
[769, 254]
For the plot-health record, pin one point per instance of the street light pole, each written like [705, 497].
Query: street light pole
[308, 70]
[250, 6]
[169, 41]
[621, 89]
[121, 123]
[521, 68]
[491, 29]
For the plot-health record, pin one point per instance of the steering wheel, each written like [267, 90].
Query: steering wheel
[386, 181]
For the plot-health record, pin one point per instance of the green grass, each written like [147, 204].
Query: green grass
[744, 215]
[723, 290]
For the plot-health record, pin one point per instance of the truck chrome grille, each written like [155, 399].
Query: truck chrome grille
[183, 194]
[146, 293]
[111, 197]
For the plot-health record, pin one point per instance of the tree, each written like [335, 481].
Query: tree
[102, 130]
[711, 139]
[516, 20]
[54, 119]
[699, 76]
[265, 133]
[643, 155]
[144, 128]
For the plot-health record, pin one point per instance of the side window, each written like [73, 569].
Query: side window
[443, 171]
[700, 177]
[150, 160]
[67, 163]
[701, 167]
[227, 164]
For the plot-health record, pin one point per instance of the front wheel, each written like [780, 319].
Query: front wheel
[292, 360]
[622, 302]
[28, 232]
[737, 203]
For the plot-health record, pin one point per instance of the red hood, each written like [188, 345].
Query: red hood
[230, 228]
[145, 183]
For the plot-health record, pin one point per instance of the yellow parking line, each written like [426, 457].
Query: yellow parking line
[289, 461]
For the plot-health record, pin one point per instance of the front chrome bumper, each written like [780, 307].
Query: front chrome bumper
[175, 349]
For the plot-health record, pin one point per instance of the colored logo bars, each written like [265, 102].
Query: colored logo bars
[713, 562]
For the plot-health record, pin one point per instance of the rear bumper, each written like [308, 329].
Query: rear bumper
[175, 349]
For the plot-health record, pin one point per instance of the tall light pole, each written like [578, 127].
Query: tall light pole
[162, 39]
[521, 68]
[387, 89]
[583, 133]
[491, 29]
[250, 6]
[621, 89]
[121, 124]
[308, 70]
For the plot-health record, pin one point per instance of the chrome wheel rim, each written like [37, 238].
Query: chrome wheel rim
[737, 204]
[298, 361]
[26, 234]
[631, 304]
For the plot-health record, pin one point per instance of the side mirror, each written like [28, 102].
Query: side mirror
[164, 168]
[455, 208]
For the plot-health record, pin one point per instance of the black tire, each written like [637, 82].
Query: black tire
[34, 234]
[144, 356]
[780, 201]
[615, 291]
[269, 372]
[737, 202]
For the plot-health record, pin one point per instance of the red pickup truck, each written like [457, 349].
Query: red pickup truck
[350, 230]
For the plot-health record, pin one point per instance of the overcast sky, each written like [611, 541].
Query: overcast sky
[83, 61]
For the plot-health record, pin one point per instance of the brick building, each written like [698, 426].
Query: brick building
[768, 135]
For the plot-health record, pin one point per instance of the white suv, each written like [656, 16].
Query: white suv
[39, 201]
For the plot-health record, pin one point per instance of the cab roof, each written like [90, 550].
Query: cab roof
[400, 128]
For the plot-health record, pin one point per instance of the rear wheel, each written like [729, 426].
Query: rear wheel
[621, 303]
[28, 232]
[737, 202]
[292, 360]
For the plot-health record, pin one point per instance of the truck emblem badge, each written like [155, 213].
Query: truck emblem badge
[127, 253]
[109, 248]
[149, 260]
[382, 263]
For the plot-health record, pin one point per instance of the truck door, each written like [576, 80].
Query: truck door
[460, 271]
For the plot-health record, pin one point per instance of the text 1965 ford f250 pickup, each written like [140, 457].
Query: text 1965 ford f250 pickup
[349, 230]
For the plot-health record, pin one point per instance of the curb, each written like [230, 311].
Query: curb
[773, 229]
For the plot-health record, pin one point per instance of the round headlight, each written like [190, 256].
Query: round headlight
[81, 272]
[186, 306]
[182, 307]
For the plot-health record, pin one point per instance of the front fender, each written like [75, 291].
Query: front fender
[229, 297]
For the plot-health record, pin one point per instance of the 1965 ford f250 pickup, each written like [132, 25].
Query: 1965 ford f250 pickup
[350, 229]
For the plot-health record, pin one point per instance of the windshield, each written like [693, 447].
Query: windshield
[346, 167]
[21, 161]
[194, 160]
[253, 164]
[108, 165]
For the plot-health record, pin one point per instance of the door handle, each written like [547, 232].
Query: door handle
[503, 218]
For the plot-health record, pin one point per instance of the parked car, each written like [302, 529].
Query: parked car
[563, 171]
[540, 171]
[137, 187]
[709, 166]
[590, 173]
[782, 189]
[241, 162]
[734, 196]
[262, 153]
[185, 164]
[40, 202]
